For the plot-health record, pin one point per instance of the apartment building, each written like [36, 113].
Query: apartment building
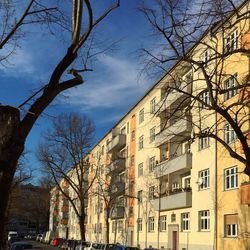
[158, 184]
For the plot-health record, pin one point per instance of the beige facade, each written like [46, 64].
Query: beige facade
[156, 186]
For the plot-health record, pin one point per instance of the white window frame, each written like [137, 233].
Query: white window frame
[185, 222]
[204, 97]
[140, 169]
[229, 83]
[163, 223]
[205, 56]
[152, 163]
[151, 224]
[231, 180]
[152, 135]
[140, 145]
[204, 220]
[205, 177]
[153, 105]
[231, 41]
[204, 142]
[229, 134]
[141, 116]
[230, 229]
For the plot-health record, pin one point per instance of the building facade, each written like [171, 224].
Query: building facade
[158, 184]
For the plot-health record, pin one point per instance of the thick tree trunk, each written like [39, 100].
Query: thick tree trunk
[11, 148]
[107, 225]
[82, 227]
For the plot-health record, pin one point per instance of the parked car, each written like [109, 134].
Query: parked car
[12, 234]
[56, 241]
[20, 245]
[38, 237]
[122, 247]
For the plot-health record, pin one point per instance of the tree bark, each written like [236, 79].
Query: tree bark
[82, 226]
[107, 225]
[11, 148]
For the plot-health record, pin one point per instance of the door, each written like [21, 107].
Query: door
[174, 240]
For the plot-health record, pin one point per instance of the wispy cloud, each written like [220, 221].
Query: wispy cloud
[118, 85]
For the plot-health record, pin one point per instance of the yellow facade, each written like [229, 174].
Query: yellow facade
[170, 192]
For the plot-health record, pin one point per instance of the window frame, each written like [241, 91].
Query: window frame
[204, 175]
[153, 105]
[229, 134]
[230, 82]
[231, 177]
[231, 42]
[185, 222]
[204, 220]
[141, 116]
[152, 164]
[204, 142]
[139, 196]
[152, 135]
[140, 169]
[151, 224]
[139, 224]
[163, 223]
[205, 98]
[151, 192]
[231, 226]
[140, 144]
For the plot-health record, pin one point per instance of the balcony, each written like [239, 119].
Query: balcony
[116, 166]
[118, 188]
[117, 212]
[117, 143]
[245, 193]
[171, 131]
[181, 163]
[172, 97]
[176, 200]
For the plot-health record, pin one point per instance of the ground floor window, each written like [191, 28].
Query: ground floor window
[231, 225]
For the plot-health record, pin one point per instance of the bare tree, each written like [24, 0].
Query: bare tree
[15, 127]
[64, 155]
[199, 41]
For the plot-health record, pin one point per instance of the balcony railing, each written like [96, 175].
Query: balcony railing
[179, 163]
[117, 143]
[117, 212]
[180, 198]
[172, 97]
[116, 166]
[169, 132]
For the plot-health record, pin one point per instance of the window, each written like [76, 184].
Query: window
[163, 223]
[205, 179]
[204, 97]
[152, 135]
[151, 224]
[231, 178]
[132, 160]
[133, 135]
[139, 221]
[229, 134]
[203, 142]
[120, 226]
[141, 116]
[102, 149]
[204, 220]
[153, 105]
[185, 221]
[229, 84]
[205, 57]
[231, 42]
[151, 164]
[231, 225]
[151, 192]
[140, 142]
[139, 196]
[140, 169]
[131, 211]
[173, 217]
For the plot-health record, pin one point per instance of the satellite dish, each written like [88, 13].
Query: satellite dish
[199, 181]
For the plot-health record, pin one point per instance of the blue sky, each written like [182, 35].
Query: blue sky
[107, 93]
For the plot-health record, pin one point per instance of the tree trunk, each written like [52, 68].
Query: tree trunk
[107, 225]
[82, 227]
[11, 148]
